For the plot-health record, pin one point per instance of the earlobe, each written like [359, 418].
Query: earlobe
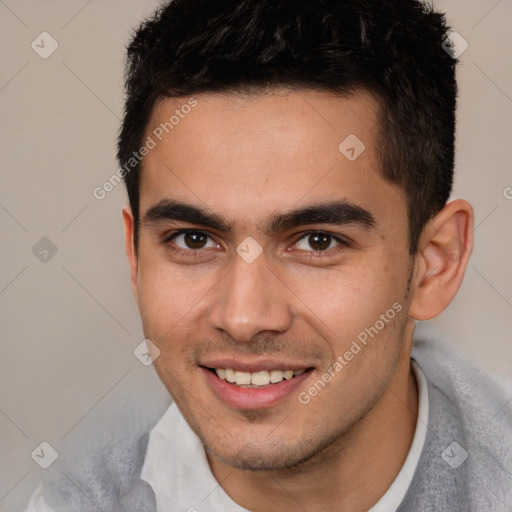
[129, 245]
[444, 250]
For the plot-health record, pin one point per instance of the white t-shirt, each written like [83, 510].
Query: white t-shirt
[177, 469]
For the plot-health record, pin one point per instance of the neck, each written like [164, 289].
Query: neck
[352, 473]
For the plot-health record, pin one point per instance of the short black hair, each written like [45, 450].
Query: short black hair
[392, 49]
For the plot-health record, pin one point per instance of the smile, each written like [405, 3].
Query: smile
[261, 389]
[256, 379]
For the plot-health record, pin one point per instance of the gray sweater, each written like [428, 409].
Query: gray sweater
[466, 463]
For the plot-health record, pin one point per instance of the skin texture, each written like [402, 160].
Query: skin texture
[246, 158]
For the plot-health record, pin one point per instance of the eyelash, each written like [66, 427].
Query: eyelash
[343, 243]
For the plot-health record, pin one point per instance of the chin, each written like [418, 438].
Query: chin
[270, 456]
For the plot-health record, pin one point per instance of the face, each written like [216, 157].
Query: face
[270, 254]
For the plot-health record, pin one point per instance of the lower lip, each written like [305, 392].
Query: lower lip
[254, 398]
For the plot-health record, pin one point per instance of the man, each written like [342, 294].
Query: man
[288, 166]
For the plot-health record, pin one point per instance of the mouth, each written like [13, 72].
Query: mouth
[264, 388]
[257, 379]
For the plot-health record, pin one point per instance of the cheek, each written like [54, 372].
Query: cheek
[346, 300]
[169, 296]
[168, 304]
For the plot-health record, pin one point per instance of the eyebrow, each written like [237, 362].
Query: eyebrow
[340, 212]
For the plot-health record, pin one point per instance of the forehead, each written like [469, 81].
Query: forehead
[255, 153]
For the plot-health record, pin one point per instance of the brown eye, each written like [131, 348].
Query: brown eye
[194, 240]
[317, 241]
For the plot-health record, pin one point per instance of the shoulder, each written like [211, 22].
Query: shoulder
[99, 465]
[467, 389]
[468, 451]
[106, 479]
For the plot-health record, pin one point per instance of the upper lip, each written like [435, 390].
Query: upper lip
[254, 365]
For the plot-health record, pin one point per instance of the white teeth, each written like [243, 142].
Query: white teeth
[242, 378]
[260, 378]
[263, 378]
[276, 376]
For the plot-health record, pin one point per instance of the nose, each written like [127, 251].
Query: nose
[251, 300]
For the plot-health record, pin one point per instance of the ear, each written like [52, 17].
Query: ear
[444, 249]
[129, 245]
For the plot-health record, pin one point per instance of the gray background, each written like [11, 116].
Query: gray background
[69, 325]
